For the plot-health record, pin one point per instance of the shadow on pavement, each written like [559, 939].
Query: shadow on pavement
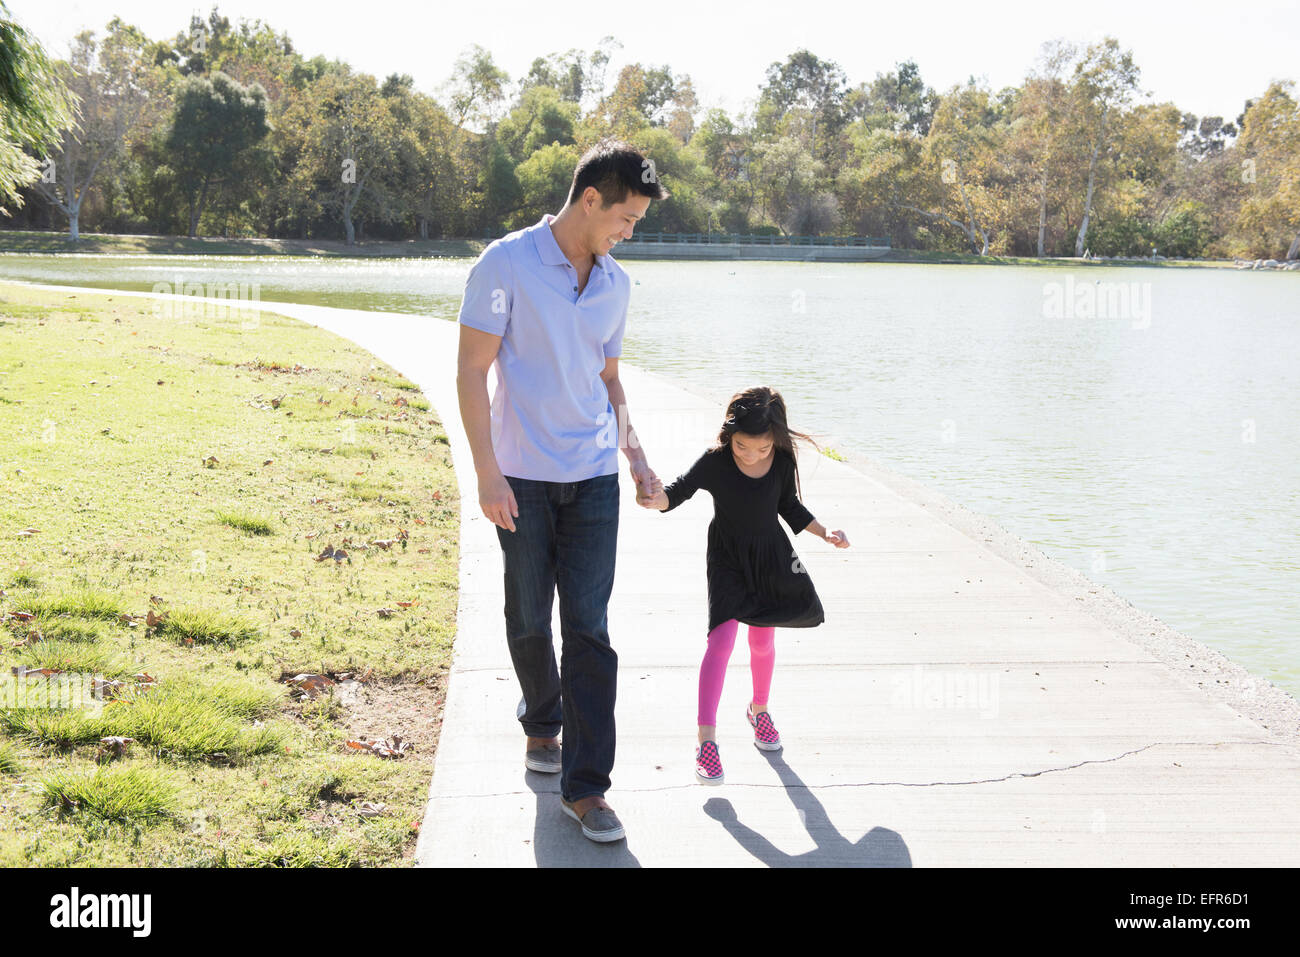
[558, 839]
[879, 847]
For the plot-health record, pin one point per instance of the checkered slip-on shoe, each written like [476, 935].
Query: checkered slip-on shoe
[599, 824]
[765, 735]
[708, 766]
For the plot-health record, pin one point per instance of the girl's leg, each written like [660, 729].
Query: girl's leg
[762, 660]
[712, 672]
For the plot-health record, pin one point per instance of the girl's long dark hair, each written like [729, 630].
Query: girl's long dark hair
[756, 411]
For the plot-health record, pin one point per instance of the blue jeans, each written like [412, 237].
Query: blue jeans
[565, 537]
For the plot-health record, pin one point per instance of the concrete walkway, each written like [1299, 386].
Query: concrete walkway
[954, 710]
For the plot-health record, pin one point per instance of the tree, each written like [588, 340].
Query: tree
[899, 100]
[785, 178]
[544, 181]
[1105, 80]
[476, 86]
[35, 108]
[111, 81]
[349, 151]
[1269, 220]
[214, 123]
[1040, 129]
[804, 97]
[962, 147]
[542, 117]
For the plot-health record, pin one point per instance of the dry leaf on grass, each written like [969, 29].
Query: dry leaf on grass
[330, 551]
[312, 685]
[22, 671]
[114, 745]
[395, 747]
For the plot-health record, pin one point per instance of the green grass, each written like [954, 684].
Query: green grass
[182, 722]
[64, 629]
[81, 657]
[395, 382]
[106, 464]
[59, 729]
[245, 522]
[9, 763]
[123, 795]
[40, 241]
[84, 602]
[207, 626]
[938, 257]
[175, 718]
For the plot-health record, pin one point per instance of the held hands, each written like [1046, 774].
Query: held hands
[649, 489]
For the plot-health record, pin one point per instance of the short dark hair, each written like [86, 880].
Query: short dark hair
[615, 168]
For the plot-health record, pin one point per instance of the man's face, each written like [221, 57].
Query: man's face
[606, 227]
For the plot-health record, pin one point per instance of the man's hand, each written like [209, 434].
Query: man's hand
[497, 500]
[648, 485]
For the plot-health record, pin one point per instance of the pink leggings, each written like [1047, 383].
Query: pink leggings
[762, 657]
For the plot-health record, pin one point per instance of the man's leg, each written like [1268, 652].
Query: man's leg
[528, 554]
[586, 542]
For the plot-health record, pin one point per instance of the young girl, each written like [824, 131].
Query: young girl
[754, 575]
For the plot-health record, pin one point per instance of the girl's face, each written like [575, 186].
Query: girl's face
[751, 450]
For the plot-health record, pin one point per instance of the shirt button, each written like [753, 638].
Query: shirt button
[575, 288]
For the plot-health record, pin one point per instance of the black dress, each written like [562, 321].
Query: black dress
[754, 574]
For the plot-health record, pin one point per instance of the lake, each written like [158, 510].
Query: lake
[1140, 425]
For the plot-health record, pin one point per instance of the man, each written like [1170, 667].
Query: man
[548, 305]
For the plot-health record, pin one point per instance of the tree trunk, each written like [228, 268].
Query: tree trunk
[1294, 251]
[74, 224]
[1042, 212]
[349, 231]
[1092, 182]
[973, 227]
[196, 210]
[1087, 206]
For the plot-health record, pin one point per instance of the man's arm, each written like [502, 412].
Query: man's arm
[647, 482]
[478, 350]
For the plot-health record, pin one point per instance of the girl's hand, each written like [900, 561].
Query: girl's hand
[838, 538]
[648, 484]
[658, 501]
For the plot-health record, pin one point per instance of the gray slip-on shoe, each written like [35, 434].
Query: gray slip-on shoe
[598, 824]
[544, 760]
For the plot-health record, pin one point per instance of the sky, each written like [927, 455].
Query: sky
[1206, 57]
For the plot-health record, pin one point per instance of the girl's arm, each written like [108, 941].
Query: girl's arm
[681, 488]
[836, 538]
[816, 528]
[800, 519]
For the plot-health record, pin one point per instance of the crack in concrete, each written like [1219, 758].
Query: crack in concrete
[906, 784]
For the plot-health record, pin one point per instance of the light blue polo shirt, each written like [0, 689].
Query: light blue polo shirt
[551, 416]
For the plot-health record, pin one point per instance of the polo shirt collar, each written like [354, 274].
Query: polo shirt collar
[548, 249]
